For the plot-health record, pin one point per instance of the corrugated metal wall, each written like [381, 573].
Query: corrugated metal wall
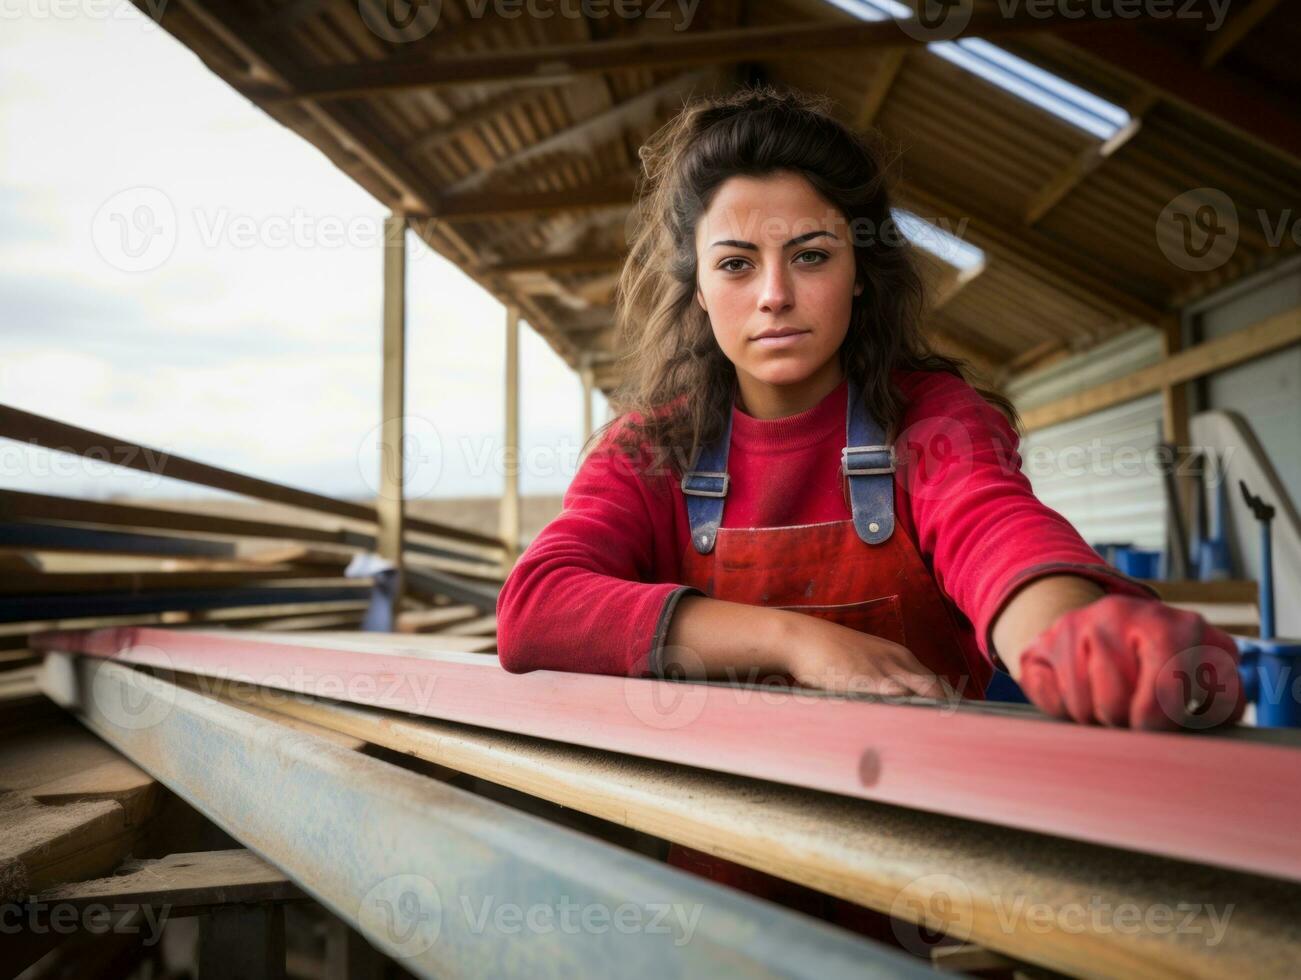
[1101, 471]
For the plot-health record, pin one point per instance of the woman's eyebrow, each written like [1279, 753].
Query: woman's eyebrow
[797, 240]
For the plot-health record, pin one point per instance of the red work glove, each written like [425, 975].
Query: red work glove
[1123, 661]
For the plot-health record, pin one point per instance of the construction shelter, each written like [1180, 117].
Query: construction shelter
[1105, 200]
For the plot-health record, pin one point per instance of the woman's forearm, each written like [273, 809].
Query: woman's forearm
[1035, 608]
[712, 638]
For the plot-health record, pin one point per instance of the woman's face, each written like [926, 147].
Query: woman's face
[773, 256]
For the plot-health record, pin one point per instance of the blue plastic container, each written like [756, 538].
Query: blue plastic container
[1138, 563]
[1271, 677]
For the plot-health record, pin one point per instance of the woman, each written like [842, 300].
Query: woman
[746, 517]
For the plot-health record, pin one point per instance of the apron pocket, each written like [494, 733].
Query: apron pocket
[878, 617]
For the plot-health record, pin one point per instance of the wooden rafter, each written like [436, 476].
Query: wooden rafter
[564, 61]
[1226, 100]
[1055, 263]
[604, 126]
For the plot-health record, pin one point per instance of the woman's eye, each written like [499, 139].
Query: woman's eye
[726, 265]
[817, 258]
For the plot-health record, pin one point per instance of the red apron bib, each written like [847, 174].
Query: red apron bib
[854, 572]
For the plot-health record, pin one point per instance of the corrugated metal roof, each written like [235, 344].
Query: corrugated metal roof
[526, 166]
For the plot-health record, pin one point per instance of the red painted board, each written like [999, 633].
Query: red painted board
[1200, 798]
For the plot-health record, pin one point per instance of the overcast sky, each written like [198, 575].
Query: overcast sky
[177, 269]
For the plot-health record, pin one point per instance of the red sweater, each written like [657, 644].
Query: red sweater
[595, 590]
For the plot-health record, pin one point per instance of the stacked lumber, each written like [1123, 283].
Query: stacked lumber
[1042, 875]
[279, 563]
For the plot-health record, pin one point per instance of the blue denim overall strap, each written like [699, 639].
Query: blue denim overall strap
[705, 488]
[867, 461]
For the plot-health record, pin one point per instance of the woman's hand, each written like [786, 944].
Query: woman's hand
[823, 654]
[1123, 661]
[713, 638]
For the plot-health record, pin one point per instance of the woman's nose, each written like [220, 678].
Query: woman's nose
[776, 293]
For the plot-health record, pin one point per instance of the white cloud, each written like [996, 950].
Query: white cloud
[255, 343]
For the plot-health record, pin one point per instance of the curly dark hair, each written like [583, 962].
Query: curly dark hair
[678, 387]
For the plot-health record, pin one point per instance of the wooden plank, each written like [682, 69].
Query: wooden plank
[368, 641]
[17, 505]
[426, 583]
[46, 607]
[1257, 340]
[1226, 590]
[60, 436]
[183, 882]
[181, 618]
[138, 583]
[42, 845]
[895, 860]
[480, 626]
[59, 537]
[71, 807]
[432, 620]
[361, 835]
[1218, 800]
[294, 554]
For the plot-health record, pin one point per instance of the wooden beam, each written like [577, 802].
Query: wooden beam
[391, 505]
[1085, 163]
[18, 505]
[1271, 334]
[509, 514]
[477, 206]
[582, 261]
[1238, 26]
[636, 112]
[710, 47]
[1226, 100]
[37, 430]
[1232, 804]
[59, 537]
[878, 90]
[1082, 277]
[185, 883]
[895, 860]
[587, 377]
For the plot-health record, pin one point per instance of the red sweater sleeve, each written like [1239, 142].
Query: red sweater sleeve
[588, 594]
[973, 511]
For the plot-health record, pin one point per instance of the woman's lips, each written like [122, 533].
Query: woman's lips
[786, 340]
